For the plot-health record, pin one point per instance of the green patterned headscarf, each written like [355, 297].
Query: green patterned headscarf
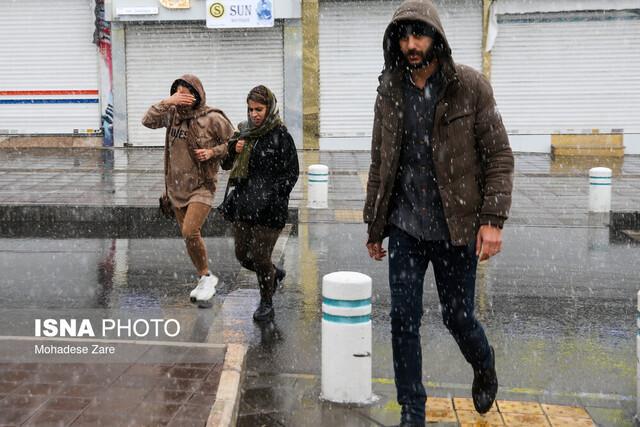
[250, 133]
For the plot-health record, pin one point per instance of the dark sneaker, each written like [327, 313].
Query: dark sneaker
[280, 274]
[485, 386]
[264, 312]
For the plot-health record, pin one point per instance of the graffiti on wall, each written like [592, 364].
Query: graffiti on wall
[102, 39]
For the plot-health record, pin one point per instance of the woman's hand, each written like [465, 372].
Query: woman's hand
[180, 98]
[240, 145]
[203, 154]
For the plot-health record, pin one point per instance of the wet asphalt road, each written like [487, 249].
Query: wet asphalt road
[558, 304]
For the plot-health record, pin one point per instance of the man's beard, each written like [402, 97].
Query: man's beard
[427, 58]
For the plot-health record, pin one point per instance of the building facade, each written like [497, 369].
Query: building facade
[92, 67]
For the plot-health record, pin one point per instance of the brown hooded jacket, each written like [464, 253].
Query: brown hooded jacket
[188, 179]
[472, 158]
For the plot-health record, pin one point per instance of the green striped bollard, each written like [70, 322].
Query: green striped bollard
[346, 337]
[599, 190]
[318, 187]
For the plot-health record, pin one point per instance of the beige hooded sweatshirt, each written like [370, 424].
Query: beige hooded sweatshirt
[189, 180]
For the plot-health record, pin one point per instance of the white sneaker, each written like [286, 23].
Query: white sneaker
[193, 296]
[207, 286]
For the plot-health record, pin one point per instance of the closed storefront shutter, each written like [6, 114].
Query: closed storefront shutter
[351, 57]
[229, 63]
[568, 72]
[48, 67]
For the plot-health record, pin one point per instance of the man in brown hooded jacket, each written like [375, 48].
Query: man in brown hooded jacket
[195, 144]
[439, 186]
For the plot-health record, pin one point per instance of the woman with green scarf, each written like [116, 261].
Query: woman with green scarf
[264, 169]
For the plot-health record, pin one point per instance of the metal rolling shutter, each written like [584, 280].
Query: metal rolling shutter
[568, 72]
[48, 67]
[351, 56]
[229, 63]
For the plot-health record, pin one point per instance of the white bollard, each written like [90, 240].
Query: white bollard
[599, 190]
[346, 337]
[318, 186]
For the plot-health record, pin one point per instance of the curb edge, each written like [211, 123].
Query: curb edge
[224, 412]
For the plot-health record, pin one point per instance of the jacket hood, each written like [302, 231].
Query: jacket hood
[194, 84]
[415, 10]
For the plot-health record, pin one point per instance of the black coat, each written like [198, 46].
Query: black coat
[263, 197]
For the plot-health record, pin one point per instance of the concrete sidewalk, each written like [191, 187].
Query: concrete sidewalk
[119, 188]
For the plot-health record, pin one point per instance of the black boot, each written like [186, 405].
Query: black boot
[485, 386]
[265, 311]
[409, 418]
[280, 274]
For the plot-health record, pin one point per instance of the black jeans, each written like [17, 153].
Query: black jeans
[254, 246]
[455, 273]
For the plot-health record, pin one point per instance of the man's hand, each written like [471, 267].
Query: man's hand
[203, 154]
[488, 241]
[376, 251]
[180, 98]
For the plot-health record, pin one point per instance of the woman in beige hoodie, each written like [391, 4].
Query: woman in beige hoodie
[195, 143]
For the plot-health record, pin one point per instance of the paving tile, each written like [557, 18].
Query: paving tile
[209, 387]
[140, 421]
[348, 216]
[180, 384]
[79, 390]
[95, 419]
[66, 375]
[52, 418]
[565, 411]
[441, 416]
[22, 402]
[136, 381]
[9, 416]
[66, 403]
[37, 389]
[171, 396]
[94, 379]
[15, 376]
[187, 422]
[194, 412]
[157, 409]
[570, 422]
[515, 407]
[158, 370]
[466, 404]
[202, 399]
[119, 400]
[472, 418]
[8, 387]
[188, 373]
[525, 420]
[439, 403]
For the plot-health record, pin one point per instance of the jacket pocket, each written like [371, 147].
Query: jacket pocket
[458, 131]
[458, 115]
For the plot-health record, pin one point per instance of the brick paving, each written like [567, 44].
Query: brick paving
[112, 394]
